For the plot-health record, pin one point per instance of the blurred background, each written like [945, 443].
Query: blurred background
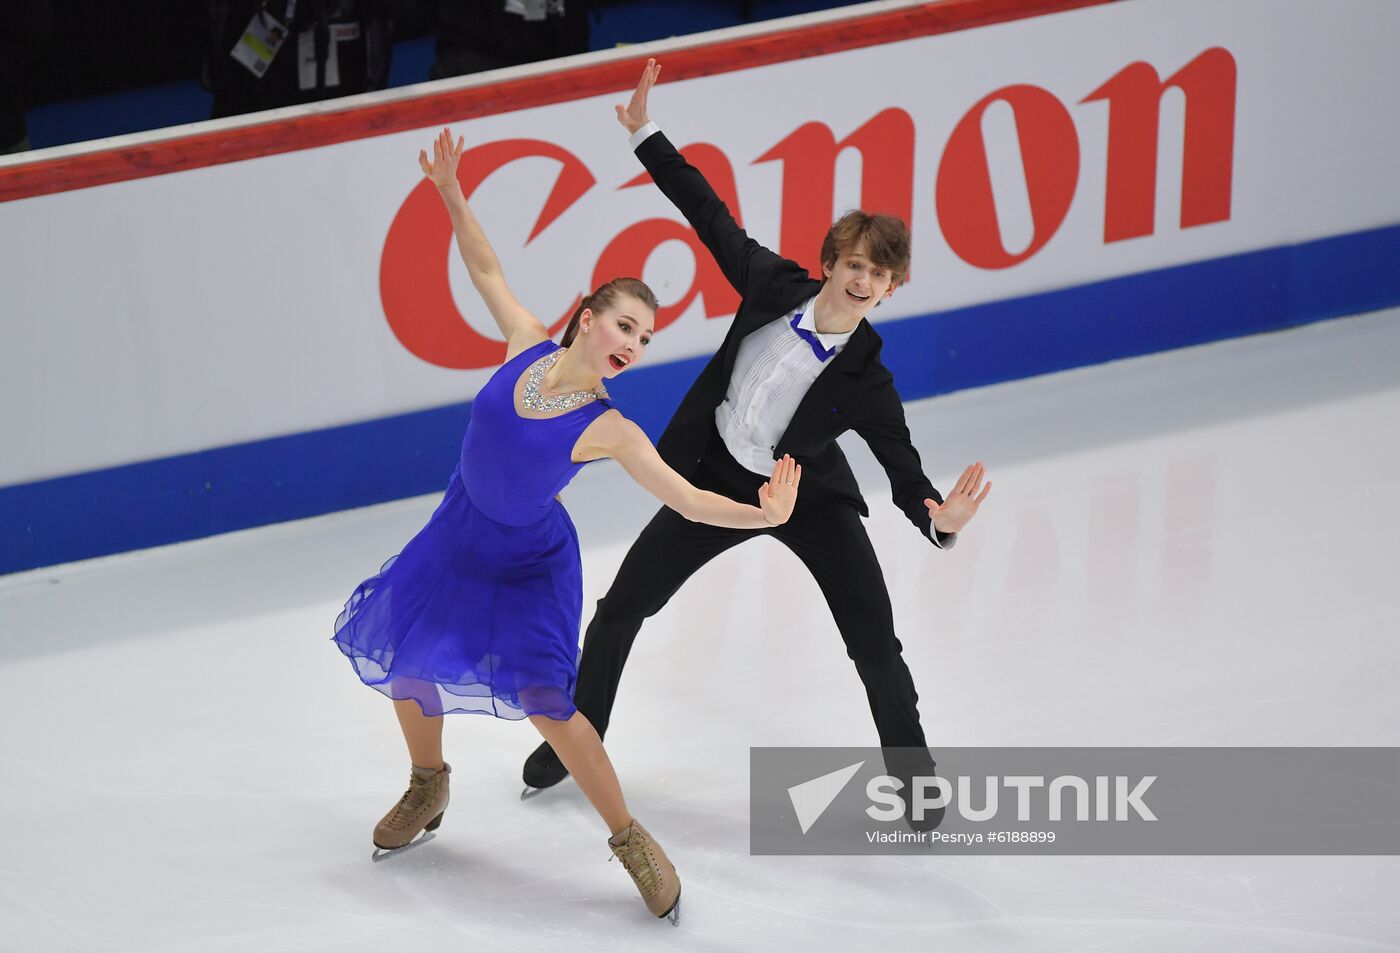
[75, 70]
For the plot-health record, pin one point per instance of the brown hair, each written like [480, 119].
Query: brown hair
[606, 297]
[886, 242]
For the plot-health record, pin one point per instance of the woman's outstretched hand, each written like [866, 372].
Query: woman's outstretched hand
[634, 116]
[443, 169]
[778, 496]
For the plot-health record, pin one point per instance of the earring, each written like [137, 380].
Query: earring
[585, 330]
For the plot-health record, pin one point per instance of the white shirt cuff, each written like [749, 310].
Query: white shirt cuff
[947, 544]
[642, 134]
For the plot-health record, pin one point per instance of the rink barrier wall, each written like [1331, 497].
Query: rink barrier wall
[287, 477]
[762, 44]
[1261, 261]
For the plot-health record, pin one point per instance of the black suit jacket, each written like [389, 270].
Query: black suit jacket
[853, 392]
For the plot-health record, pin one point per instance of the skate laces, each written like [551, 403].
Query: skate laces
[412, 802]
[639, 863]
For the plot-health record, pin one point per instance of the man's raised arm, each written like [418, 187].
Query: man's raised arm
[744, 262]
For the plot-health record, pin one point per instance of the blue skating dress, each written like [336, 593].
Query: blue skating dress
[480, 611]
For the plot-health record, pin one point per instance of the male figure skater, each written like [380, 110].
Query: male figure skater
[799, 366]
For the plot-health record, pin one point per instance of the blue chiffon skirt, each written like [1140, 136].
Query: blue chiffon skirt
[473, 615]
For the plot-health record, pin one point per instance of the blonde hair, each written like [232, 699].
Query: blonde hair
[886, 242]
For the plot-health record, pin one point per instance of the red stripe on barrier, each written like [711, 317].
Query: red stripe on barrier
[277, 136]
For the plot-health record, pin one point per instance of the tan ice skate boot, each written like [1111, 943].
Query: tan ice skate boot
[651, 871]
[419, 810]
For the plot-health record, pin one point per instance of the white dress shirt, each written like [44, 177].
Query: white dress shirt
[772, 373]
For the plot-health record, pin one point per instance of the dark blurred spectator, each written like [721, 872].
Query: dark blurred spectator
[269, 53]
[476, 35]
[25, 26]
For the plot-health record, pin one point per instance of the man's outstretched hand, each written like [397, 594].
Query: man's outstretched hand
[960, 506]
[634, 116]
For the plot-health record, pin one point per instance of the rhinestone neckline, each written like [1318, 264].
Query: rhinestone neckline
[540, 404]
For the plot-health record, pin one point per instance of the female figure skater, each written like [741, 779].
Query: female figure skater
[480, 611]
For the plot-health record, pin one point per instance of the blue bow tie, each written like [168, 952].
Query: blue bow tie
[822, 353]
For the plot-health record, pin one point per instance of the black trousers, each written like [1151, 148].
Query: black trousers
[830, 541]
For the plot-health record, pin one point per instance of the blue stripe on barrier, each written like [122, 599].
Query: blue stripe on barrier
[281, 478]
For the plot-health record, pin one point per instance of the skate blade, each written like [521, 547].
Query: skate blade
[530, 792]
[384, 853]
[675, 915]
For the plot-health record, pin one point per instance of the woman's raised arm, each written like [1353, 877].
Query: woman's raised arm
[520, 327]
